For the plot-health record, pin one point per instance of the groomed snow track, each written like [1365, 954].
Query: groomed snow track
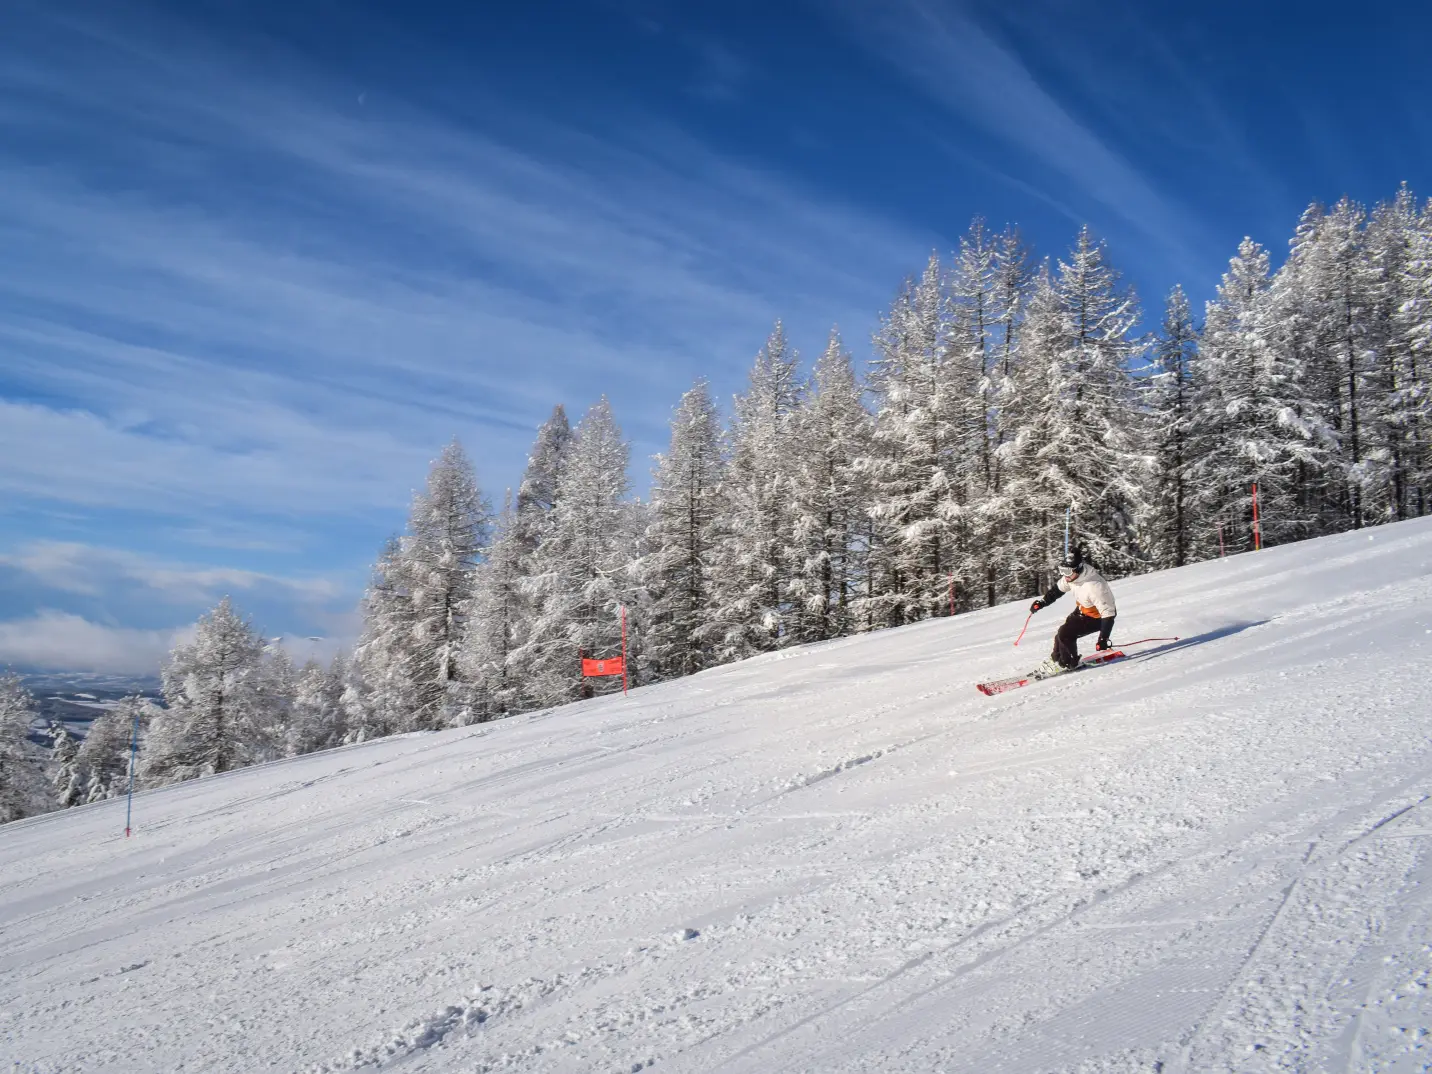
[835, 858]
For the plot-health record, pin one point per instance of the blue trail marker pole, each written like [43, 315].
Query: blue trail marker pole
[133, 749]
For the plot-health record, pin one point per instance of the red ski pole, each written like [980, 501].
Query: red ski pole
[1022, 630]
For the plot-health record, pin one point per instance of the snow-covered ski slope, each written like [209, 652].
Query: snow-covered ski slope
[837, 858]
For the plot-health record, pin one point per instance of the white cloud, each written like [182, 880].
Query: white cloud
[51, 640]
[88, 570]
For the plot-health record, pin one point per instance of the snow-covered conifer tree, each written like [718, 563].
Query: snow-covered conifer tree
[536, 497]
[380, 689]
[447, 534]
[318, 720]
[681, 540]
[24, 791]
[541, 481]
[999, 514]
[1258, 419]
[1096, 442]
[921, 423]
[497, 620]
[751, 563]
[1036, 486]
[830, 497]
[414, 610]
[1391, 241]
[1336, 281]
[214, 693]
[986, 299]
[279, 683]
[1167, 523]
[104, 755]
[1414, 318]
[1073, 409]
[579, 570]
[64, 773]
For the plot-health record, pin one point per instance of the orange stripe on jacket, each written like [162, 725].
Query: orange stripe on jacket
[1092, 613]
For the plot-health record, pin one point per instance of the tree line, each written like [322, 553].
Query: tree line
[1004, 392]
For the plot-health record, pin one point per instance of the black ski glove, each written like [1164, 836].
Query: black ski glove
[1036, 606]
[1106, 629]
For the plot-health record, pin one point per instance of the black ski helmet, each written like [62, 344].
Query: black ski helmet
[1073, 561]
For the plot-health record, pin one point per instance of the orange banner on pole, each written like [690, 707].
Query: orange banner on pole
[596, 669]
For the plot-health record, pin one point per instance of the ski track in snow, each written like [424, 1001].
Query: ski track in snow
[1210, 857]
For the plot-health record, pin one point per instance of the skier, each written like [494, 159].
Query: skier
[1095, 611]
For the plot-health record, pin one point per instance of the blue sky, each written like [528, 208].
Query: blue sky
[261, 260]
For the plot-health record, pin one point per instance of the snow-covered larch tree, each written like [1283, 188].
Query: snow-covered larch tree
[1332, 273]
[681, 540]
[986, 290]
[1096, 438]
[579, 576]
[916, 465]
[1392, 243]
[542, 479]
[380, 691]
[497, 618]
[64, 772]
[104, 756]
[1415, 324]
[999, 513]
[24, 791]
[214, 692]
[447, 535]
[751, 563]
[537, 495]
[830, 497]
[1166, 523]
[1256, 420]
[414, 610]
[318, 720]
[1037, 486]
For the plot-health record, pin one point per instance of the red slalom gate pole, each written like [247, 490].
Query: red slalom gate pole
[624, 652]
[1022, 630]
[1143, 641]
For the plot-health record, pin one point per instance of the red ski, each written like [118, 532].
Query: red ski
[999, 686]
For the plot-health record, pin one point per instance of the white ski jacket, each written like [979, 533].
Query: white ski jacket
[1091, 591]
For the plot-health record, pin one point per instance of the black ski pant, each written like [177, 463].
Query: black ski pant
[1066, 641]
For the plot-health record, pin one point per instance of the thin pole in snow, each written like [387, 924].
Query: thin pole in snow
[1023, 629]
[624, 652]
[952, 594]
[1257, 531]
[1221, 551]
[133, 750]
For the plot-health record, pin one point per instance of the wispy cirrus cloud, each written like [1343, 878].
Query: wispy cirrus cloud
[957, 60]
[401, 279]
[242, 295]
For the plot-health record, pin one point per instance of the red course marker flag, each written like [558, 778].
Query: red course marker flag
[611, 665]
[596, 669]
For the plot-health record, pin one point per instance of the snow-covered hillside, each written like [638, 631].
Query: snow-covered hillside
[838, 858]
